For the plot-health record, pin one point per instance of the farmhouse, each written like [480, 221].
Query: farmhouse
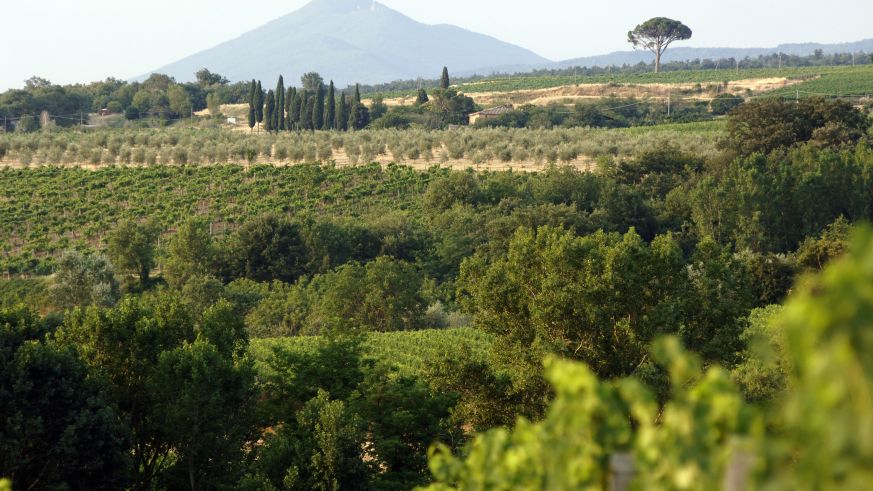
[492, 113]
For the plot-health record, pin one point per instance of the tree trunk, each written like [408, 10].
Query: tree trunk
[658, 61]
[191, 474]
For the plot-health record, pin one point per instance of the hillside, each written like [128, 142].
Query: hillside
[351, 41]
[683, 53]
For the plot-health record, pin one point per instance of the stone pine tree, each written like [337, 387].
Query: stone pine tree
[252, 102]
[280, 105]
[270, 111]
[259, 105]
[421, 98]
[341, 121]
[656, 35]
[318, 109]
[290, 94]
[330, 108]
[444, 79]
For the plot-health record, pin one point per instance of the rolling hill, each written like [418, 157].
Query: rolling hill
[351, 41]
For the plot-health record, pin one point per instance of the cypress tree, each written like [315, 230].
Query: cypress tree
[270, 116]
[294, 110]
[259, 105]
[330, 109]
[306, 115]
[422, 97]
[289, 102]
[318, 109]
[357, 95]
[444, 79]
[252, 102]
[280, 104]
[342, 114]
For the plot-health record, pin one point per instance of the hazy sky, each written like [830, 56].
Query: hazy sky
[84, 40]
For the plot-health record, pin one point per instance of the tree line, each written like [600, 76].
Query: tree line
[316, 106]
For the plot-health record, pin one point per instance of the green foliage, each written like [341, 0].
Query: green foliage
[412, 353]
[203, 402]
[813, 436]
[155, 353]
[826, 440]
[772, 204]
[191, 253]
[724, 103]
[766, 125]
[131, 247]
[444, 79]
[83, 280]
[762, 374]
[687, 447]
[57, 429]
[656, 35]
[268, 247]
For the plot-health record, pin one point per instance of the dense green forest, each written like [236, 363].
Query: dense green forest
[315, 327]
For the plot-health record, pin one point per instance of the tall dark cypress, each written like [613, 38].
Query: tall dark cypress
[330, 108]
[309, 108]
[318, 109]
[252, 102]
[289, 99]
[304, 115]
[357, 95]
[259, 105]
[270, 116]
[294, 110]
[341, 119]
[444, 79]
[280, 105]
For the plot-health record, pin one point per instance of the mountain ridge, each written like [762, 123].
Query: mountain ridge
[350, 41]
[365, 41]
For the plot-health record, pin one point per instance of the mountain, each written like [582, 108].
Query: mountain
[351, 41]
[679, 53]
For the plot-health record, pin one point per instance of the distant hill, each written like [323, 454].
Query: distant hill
[364, 41]
[680, 53]
[351, 41]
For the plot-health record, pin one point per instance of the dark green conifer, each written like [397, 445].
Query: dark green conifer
[280, 105]
[270, 111]
[422, 97]
[309, 108]
[294, 110]
[341, 121]
[444, 79]
[318, 109]
[259, 105]
[330, 108]
[252, 102]
[357, 95]
[289, 102]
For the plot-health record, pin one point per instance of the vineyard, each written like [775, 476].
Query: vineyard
[50, 209]
[408, 351]
[860, 77]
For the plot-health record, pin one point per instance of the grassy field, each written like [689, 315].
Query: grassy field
[408, 351]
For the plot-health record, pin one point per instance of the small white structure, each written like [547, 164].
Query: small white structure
[231, 120]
